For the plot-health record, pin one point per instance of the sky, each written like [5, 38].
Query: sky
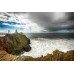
[37, 22]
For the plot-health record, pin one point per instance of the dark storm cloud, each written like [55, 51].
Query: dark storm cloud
[53, 20]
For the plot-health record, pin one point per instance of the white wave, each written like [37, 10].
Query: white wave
[42, 46]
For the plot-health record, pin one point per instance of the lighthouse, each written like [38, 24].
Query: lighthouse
[8, 31]
[16, 31]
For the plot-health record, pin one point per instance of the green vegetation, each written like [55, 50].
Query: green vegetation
[15, 43]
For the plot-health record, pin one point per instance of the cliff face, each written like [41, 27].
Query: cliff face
[15, 43]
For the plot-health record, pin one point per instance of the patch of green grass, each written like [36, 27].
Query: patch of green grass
[23, 58]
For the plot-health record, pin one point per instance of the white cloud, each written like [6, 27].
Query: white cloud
[32, 27]
[25, 23]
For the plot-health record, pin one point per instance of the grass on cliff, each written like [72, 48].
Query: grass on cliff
[14, 43]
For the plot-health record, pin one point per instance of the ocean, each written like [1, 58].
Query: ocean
[47, 43]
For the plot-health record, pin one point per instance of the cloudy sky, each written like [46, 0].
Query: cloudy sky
[37, 22]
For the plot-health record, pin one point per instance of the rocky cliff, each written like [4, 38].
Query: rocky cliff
[15, 43]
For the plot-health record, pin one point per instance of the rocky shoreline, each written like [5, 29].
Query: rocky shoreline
[12, 45]
[55, 56]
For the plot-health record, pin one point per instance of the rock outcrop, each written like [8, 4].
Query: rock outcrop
[55, 56]
[15, 43]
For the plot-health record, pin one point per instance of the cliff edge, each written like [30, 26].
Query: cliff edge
[15, 43]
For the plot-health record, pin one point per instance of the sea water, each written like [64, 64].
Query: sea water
[44, 46]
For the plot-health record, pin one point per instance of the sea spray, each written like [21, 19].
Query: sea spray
[43, 46]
